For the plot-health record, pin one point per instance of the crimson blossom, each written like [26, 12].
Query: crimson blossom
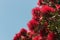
[32, 24]
[44, 24]
[47, 9]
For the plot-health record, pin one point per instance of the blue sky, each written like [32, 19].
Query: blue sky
[14, 15]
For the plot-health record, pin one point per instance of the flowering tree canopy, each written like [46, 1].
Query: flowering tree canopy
[45, 22]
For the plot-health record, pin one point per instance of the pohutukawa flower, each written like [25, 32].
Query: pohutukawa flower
[17, 36]
[36, 12]
[51, 36]
[47, 9]
[23, 32]
[32, 24]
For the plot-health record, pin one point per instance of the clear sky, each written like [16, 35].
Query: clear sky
[14, 15]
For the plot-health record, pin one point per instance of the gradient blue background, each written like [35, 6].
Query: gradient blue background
[14, 15]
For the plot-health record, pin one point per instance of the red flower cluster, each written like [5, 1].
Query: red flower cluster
[47, 9]
[32, 24]
[23, 32]
[17, 36]
[36, 13]
[51, 36]
[45, 2]
[38, 25]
